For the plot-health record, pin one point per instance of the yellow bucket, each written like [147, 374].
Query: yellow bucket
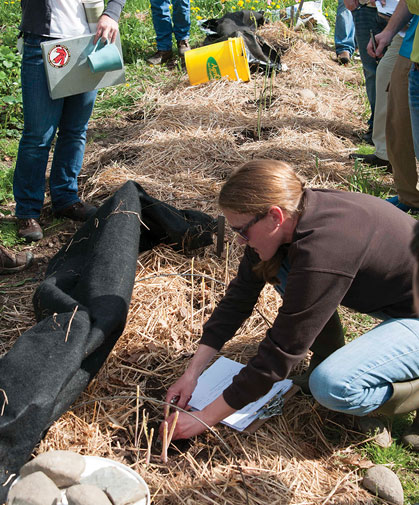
[223, 59]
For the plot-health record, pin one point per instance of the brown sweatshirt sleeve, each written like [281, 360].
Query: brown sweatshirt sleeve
[236, 305]
[310, 300]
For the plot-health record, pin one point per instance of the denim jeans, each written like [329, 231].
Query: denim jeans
[366, 19]
[42, 117]
[344, 30]
[414, 106]
[165, 24]
[357, 378]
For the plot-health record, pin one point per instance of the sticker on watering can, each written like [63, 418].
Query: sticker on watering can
[213, 70]
[59, 56]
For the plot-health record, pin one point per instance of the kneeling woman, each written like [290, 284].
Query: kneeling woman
[321, 248]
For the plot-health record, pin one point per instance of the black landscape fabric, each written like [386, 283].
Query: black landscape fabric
[81, 309]
[261, 56]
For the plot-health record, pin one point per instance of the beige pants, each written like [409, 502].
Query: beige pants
[382, 81]
[399, 134]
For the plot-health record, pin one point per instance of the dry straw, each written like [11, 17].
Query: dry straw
[180, 143]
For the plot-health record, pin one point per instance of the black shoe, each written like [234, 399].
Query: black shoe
[79, 211]
[11, 262]
[372, 160]
[160, 57]
[29, 229]
[367, 137]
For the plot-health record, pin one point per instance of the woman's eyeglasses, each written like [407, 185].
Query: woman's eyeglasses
[242, 231]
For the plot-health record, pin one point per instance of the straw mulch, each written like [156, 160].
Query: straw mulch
[180, 143]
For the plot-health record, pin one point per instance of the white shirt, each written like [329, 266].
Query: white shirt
[68, 19]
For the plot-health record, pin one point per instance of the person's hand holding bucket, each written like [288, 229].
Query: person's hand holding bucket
[105, 58]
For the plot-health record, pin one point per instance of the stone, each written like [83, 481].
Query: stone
[377, 428]
[63, 467]
[307, 94]
[35, 489]
[84, 494]
[122, 489]
[384, 483]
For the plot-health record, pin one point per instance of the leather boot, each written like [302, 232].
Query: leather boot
[405, 398]
[329, 340]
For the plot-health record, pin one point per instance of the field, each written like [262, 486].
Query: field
[180, 143]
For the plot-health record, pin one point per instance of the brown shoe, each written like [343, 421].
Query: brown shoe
[160, 57]
[182, 47]
[29, 229]
[344, 58]
[11, 262]
[79, 211]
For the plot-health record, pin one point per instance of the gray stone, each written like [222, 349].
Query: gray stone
[35, 489]
[84, 494]
[384, 483]
[63, 467]
[121, 489]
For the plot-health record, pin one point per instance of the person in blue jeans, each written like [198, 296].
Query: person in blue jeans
[344, 34]
[322, 248]
[366, 19]
[43, 117]
[166, 24]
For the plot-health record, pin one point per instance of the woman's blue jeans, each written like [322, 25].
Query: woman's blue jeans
[357, 378]
[414, 106]
[344, 30]
[179, 23]
[42, 117]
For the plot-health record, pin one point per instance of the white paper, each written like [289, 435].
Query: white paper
[388, 8]
[218, 377]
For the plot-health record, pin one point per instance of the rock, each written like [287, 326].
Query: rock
[63, 467]
[384, 483]
[84, 494]
[306, 94]
[122, 489]
[35, 489]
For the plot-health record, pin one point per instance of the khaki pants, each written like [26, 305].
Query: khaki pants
[400, 149]
[382, 80]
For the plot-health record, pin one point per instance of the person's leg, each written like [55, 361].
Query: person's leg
[181, 19]
[41, 117]
[366, 19]
[344, 30]
[357, 379]
[399, 139]
[383, 75]
[69, 149]
[162, 22]
[414, 105]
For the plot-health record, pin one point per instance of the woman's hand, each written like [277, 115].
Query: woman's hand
[107, 29]
[181, 391]
[187, 426]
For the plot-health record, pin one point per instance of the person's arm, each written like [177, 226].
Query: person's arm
[107, 26]
[401, 16]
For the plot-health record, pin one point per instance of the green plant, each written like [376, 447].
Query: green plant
[10, 93]
[6, 183]
[367, 179]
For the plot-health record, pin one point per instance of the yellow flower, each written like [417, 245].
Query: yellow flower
[127, 85]
[198, 17]
[240, 3]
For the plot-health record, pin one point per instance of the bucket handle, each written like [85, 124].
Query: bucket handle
[230, 43]
[98, 42]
